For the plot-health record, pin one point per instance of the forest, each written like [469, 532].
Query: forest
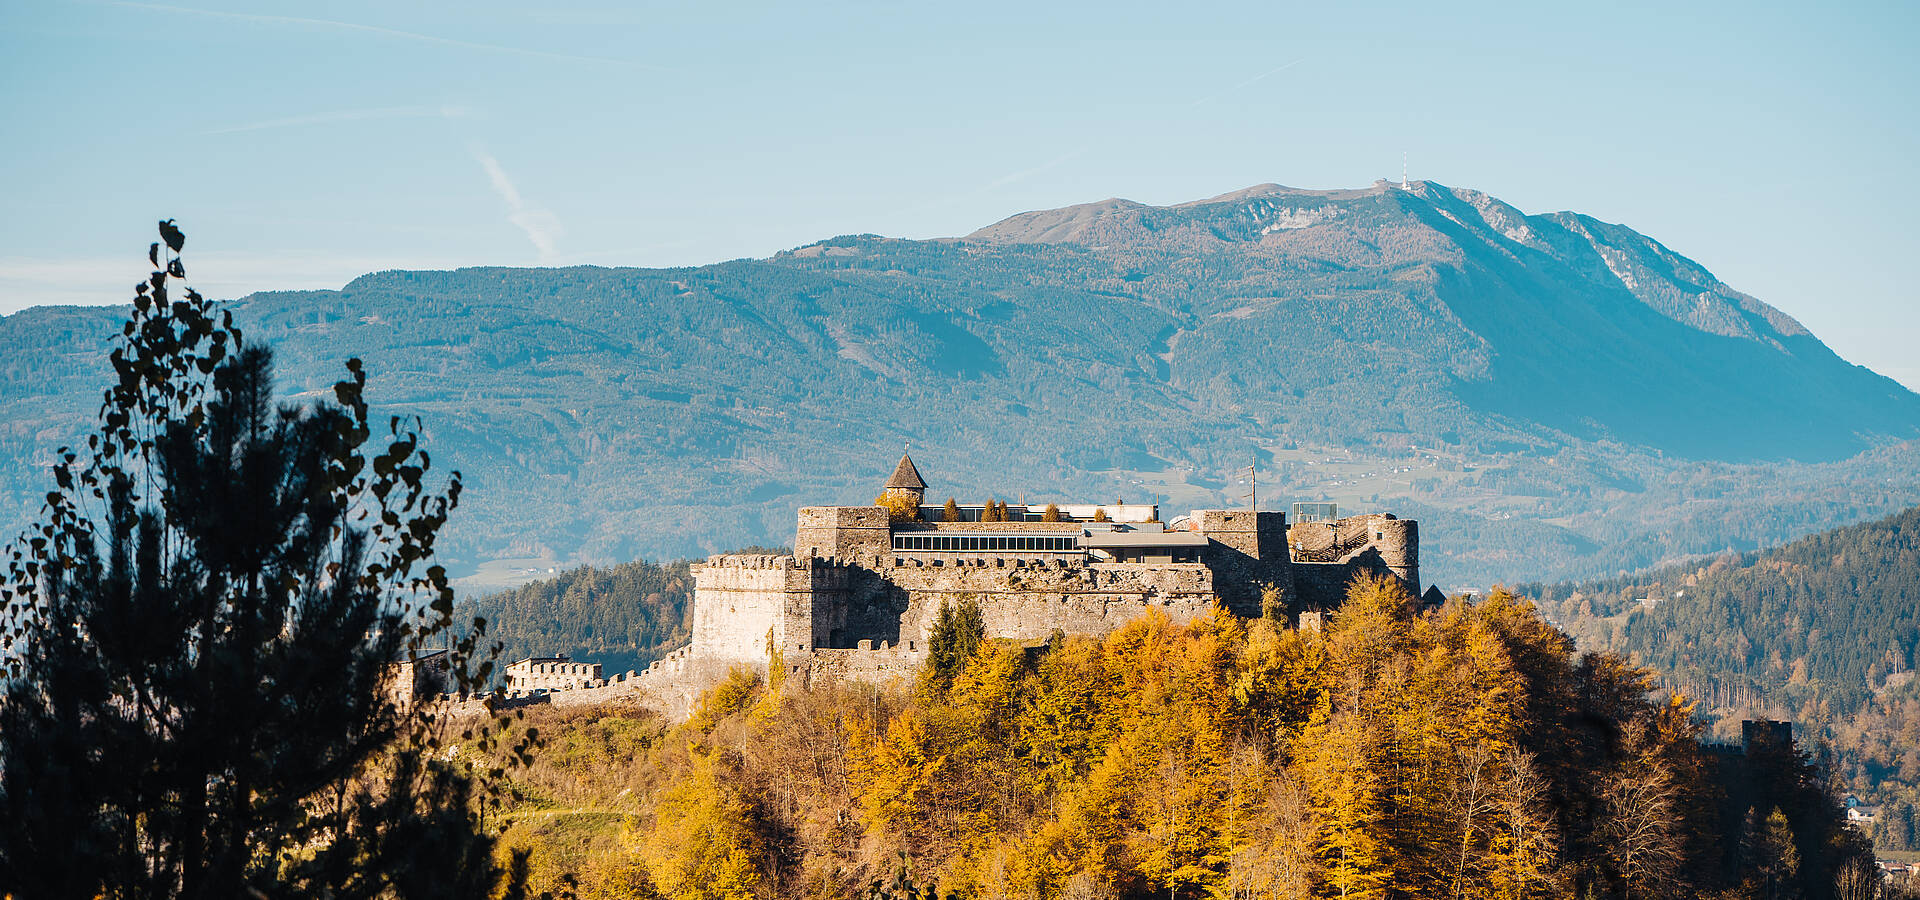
[622, 616]
[1463, 752]
[1823, 631]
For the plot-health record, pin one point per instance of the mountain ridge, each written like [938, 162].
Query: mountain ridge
[1431, 350]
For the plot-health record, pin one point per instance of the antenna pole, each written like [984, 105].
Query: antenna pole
[1403, 170]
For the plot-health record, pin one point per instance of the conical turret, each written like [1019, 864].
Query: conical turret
[906, 483]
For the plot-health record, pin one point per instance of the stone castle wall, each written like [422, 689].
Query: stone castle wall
[1328, 554]
[1247, 553]
[1025, 601]
[531, 675]
[743, 601]
[847, 533]
[851, 607]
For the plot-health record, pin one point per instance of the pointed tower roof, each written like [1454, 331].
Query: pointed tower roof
[906, 476]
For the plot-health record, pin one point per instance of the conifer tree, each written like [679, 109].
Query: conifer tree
[957, 634]
[199, 634]
[950, 512]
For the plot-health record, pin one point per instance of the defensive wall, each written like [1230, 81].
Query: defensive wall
[860, 597]
[866, 611]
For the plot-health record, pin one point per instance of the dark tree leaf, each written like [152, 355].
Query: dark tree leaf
[174, 237]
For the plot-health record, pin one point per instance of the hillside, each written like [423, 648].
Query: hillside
[1824, 631]
[622, 617]
[1466, 753]
[1549, 395]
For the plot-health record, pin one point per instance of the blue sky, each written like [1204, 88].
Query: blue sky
[301, 144]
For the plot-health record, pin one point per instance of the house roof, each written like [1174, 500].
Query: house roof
[1106, 539]
[544, 659]
[906, 476]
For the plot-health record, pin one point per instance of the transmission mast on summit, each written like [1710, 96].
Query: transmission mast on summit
[1403, 171]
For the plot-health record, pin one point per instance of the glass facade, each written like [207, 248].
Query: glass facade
[1315, 512]
[986, 543]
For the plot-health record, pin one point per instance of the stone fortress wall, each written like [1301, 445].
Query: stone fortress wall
[855, 603]
[552, 673]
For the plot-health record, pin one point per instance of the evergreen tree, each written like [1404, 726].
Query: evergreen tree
[957, 634]
[199, 639]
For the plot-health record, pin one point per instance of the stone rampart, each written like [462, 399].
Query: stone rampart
[1328, 554]
[848, 533]
[1247, 552]
[870, 663]
[1025, 600]
[743, 601]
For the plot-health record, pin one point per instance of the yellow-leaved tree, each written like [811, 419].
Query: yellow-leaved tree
[703, 844]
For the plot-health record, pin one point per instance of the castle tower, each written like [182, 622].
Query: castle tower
[905, 483]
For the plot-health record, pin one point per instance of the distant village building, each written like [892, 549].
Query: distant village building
[541, 674]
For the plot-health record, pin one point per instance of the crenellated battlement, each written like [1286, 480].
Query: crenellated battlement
[859, 597]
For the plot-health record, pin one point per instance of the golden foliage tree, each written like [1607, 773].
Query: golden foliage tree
[1465, 752]
[899, 507]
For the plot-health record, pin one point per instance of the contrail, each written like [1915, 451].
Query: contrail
[541, 227]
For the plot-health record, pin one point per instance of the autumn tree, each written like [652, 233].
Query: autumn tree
[950, 512]
[1772, 855]
[1639, 818]
[703, 844]
[1273, 603]
[1050, 514]
[899, 507]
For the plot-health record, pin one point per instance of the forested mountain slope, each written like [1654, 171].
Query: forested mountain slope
[1468, 752]
[1552, 396]
[622, 616]
[1825, 631]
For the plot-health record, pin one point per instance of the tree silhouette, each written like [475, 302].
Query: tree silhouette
[199, 636]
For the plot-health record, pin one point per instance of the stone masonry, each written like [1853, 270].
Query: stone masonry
[860, 596]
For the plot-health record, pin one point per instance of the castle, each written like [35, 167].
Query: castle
[859, 596]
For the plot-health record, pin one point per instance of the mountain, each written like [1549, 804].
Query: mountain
[1551, 395]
